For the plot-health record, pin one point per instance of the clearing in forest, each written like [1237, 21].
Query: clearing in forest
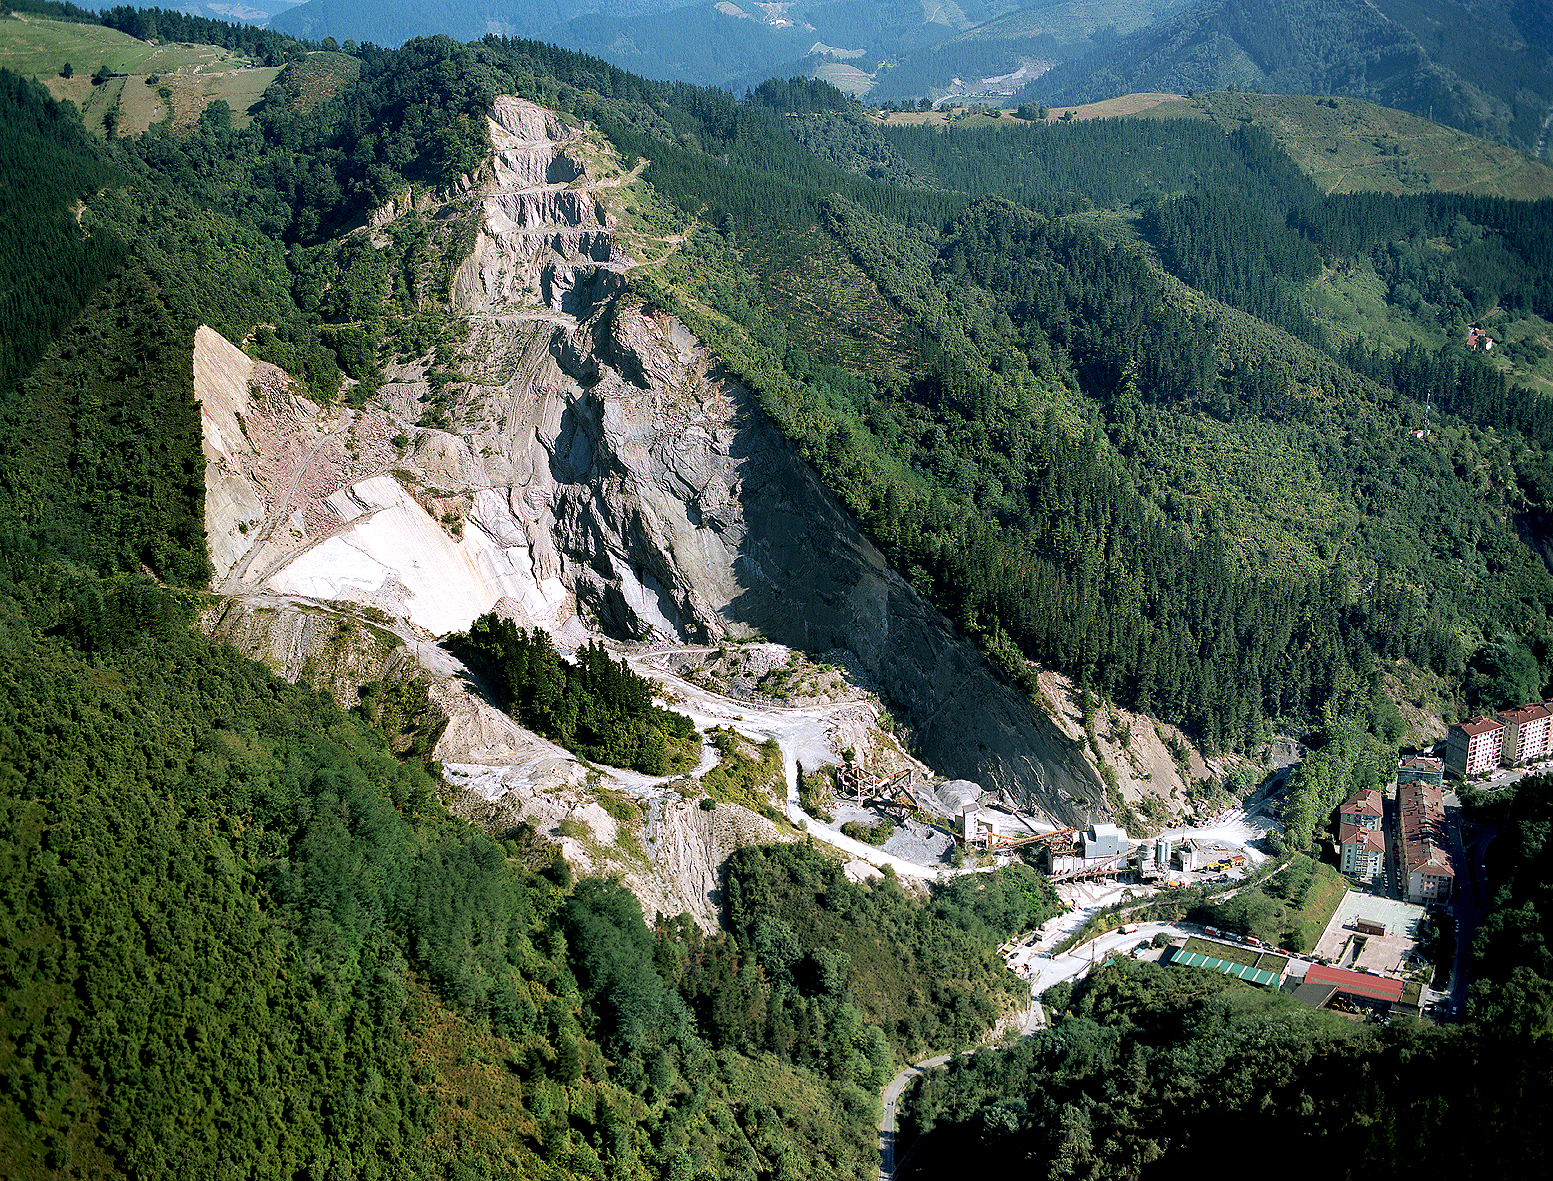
[192, 76]
[1347, 145]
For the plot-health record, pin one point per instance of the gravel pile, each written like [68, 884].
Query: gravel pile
[755, 673]
[289, 432]
[920, 844]
[912, 841]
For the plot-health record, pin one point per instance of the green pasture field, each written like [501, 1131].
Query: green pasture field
[194, 75]
[1357, 146]
[844, 77]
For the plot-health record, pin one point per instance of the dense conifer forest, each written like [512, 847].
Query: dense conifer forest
[593, 705]
[1079, 400]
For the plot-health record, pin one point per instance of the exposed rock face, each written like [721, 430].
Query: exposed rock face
[1134, 746]
[221, 375]
[541, 229]
[336, 651]
[604, 471]
[669, 857]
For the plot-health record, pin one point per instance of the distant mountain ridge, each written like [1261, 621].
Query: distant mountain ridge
[391, 22]
[1485, 66]
[906, 48]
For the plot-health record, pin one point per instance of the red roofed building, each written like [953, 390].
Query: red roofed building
[1527, 731]
[1359, 835]
[1427, 871]
[1357, 984]
[1473, 746]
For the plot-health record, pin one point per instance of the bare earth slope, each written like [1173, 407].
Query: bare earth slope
[602, 475]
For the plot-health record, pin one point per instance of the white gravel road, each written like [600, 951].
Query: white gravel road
[806, 734]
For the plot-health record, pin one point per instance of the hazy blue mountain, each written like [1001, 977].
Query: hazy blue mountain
[248, 12]
[254, 12]
[391, 22]
[1036, 36]
[889, 48]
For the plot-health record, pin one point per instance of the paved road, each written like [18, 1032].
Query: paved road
[1469, 904]
[890, 1100]
[1045, 972]
[1505, 778]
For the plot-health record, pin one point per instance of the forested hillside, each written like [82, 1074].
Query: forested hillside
[1146, 1069]
[1485, 66]
[1068, 380]
[1045, 438]
[1156, 1065]
[1042, 442]
[594, 705]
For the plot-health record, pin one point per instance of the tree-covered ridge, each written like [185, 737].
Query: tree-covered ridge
[1480, 65]
[924, 977]
[210, 877]
[1146, 1069]
[1107, 163]
[49, 265]
[238, 934]
[1239, 438]
[223, 894]
[100, 456]
[595, 705]
[1240, 253]
[1030, 530]
[1222, 209]
[737, 166]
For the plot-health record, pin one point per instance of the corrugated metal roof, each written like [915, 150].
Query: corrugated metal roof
[1356, 983]
[1242, 971]
[1315, 995]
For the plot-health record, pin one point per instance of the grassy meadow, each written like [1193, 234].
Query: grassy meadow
[151, 81]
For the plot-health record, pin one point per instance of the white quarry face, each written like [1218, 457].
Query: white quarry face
[600, 472]
[394, 556]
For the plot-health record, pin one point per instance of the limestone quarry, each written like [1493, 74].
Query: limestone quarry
[596, 473]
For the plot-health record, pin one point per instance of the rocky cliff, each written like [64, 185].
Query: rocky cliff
[603, 474]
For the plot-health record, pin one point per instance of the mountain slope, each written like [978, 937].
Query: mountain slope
[241, 932]
[1482, 66]
[592, 465]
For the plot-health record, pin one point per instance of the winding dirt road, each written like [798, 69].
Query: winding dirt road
[804, 734]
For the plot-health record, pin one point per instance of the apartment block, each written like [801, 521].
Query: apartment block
[1426, 869]
[1425, 769]
[1474, 746]
[1359, 835]
[1527, 731]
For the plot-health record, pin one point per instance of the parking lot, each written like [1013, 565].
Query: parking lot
[1383, 953]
